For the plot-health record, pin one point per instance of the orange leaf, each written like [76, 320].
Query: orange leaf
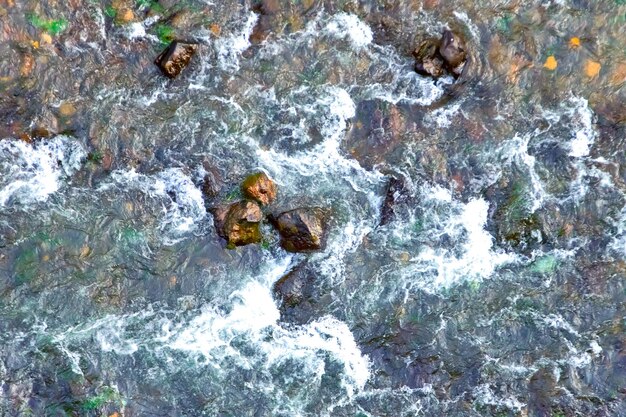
[592, 68]
[550, 63]
[574, 42]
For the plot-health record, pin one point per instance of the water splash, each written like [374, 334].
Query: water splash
[32, 172]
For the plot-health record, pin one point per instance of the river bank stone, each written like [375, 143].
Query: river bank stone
[302, 229]
[175, 58]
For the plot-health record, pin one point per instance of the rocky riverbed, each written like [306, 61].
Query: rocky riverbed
[312, 208]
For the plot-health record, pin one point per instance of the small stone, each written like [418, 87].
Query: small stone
[45, 38]
[85, 251]
[396, 193]
[618, 77]
[259, 187]
[215, 29]
[175, 57]
[302, 230]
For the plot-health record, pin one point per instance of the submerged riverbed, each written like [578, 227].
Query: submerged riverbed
[494, 286]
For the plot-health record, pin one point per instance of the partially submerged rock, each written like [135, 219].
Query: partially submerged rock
[175, 58]
[435, 58]
[453, 51]
[396, 192]
[302, 229]
[212, 180]
[300, 300]
[239, 223]
[428, 61]
[259, 187]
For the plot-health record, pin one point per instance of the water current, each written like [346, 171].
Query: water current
[495, 287]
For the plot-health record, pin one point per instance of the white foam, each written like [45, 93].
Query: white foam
[442, 117]
[619, 240]
[516, 151]
[485, 395]
[350, 27]
[584, 134]
[30, 173]
[136, 30]
[230, 48]
[462, 16]
[182, 202]
[250, 316]
[255, 314]
[454, 244]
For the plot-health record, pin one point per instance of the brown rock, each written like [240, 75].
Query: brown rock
[67, 109]
[125, 15]
[302, 230]
[434, 57]
[452, 49]
[259, 187]
[396, 192]
[175, 57]
[238, 223]
[28, 63]
[427, 59]
[267, 7]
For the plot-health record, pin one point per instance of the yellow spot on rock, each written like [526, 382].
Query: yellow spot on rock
[85, 251]
[45, 38]
[216, 29]
[35, 44]
[550, 63]
[67, 109]
[574, 42]
[125, 16]
[592, 68]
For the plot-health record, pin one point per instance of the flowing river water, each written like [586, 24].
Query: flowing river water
[496, 288]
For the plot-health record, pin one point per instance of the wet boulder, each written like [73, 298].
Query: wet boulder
[259, 187]
[437, 57]
[302, 229]
[428, 61]
[396, 194]
[300, 300]
[238, 223]
[453, 50]
[175, 58]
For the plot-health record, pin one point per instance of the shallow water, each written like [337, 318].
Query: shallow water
[496, 288]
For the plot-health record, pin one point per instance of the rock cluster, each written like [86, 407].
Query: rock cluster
[300, 230]
[437, 57]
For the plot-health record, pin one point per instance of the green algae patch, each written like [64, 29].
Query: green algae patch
[544, 265]
[107, 395]
[165, 33]
[52, 26]
[26, 266]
